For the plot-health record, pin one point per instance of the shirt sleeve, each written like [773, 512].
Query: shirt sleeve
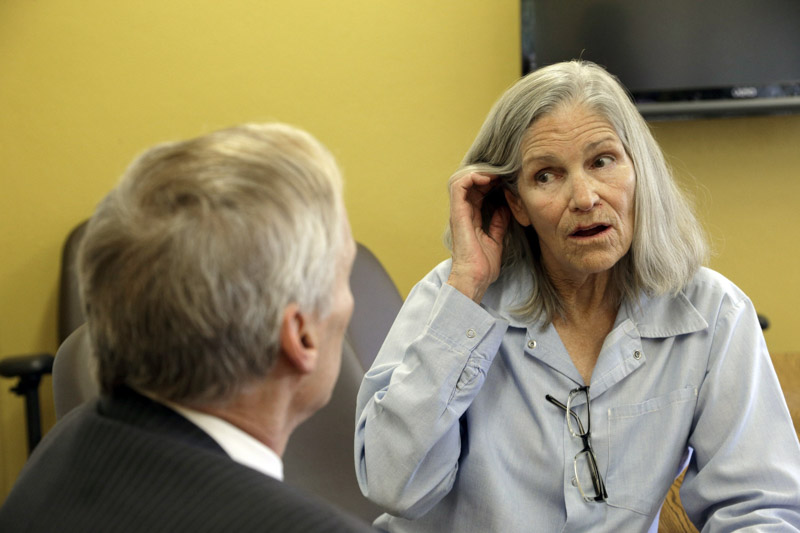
[430, 368]
[745, 470]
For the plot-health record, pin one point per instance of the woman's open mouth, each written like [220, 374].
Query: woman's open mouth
[590, 231]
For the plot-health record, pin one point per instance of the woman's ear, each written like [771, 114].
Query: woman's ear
[298, 339]
[517, 208]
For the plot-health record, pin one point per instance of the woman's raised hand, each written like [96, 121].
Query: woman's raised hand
[476, 253]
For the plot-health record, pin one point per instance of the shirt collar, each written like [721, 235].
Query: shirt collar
[240, 446]
[654, 317]
[666, 316]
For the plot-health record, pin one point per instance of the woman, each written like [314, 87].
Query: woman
[573, 356]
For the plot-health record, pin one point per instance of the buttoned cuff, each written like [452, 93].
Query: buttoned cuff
[464, 325]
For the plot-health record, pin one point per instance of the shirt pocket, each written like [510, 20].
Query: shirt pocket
[646, 443]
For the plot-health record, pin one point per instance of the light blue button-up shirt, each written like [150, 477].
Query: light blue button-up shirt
[454, 432]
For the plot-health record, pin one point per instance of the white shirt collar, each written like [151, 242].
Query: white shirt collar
[242, 447]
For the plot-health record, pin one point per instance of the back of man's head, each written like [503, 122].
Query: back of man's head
[188, 264]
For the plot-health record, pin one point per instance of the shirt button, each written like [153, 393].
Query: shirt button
[574, 482]
[471, 333]
[637, 355]
[531, 344]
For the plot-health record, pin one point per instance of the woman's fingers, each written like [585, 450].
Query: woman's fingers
[467, 193]
[476, 253]
[472, 187]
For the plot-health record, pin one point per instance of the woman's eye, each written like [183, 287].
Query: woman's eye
[543, 177]
[603, 161]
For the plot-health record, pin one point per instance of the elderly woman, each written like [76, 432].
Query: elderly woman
[572, 357]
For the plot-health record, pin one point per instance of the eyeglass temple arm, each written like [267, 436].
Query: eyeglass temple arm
[564, 407]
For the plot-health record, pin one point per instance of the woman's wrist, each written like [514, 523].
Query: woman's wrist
[467, 285]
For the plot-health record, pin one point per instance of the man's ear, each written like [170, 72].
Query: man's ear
[298, 340]
[517, 208]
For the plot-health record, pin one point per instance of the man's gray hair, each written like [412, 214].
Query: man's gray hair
[188, 264]
[669, 245]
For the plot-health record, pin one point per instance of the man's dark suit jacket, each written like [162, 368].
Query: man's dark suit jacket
[126, 463]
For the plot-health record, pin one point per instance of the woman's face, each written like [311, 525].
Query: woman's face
[576, 188]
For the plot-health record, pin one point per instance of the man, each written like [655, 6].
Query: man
[215, 280]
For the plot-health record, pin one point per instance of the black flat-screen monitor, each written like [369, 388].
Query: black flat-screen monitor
[677, 58]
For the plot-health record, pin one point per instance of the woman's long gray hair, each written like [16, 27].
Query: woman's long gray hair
[669, 245]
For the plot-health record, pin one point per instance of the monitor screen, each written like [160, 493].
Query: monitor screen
[677, 58]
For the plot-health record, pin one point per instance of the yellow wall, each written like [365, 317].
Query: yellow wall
[745, 175]
[397, 90]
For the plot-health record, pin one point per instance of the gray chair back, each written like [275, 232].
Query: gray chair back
[74, 380]
[70, 310]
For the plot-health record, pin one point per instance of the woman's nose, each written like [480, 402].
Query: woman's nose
[583, 194]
